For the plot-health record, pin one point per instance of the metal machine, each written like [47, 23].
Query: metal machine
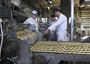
[5, 13]
[8, 46]
[52, 52]
[13, 36]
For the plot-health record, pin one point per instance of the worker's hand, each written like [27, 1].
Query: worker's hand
[52, 31]
[46, 32]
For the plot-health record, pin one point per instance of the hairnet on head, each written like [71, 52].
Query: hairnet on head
[56, 10]
[52, 15]
[34, 12]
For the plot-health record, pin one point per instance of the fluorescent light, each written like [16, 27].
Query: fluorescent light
[50, 2]
[87, 0]
[82, 5]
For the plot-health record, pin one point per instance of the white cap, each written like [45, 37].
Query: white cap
[34, 12]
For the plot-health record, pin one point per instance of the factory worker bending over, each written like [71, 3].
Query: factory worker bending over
[60, 26]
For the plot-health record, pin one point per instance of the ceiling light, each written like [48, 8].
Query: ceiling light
[48, 7]
[50, 2]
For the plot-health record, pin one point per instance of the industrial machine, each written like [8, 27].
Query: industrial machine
[14, 35]
[21, 41]
[51, 52]
[8, 45]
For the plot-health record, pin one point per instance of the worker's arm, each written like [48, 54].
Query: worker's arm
[46, 32]
[27, 21]
[60, 20]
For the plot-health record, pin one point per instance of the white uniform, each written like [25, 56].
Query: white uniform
[33, 22]
[61, 27]
[51, 23]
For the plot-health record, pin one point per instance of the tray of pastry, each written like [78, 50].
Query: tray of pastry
[61, 47]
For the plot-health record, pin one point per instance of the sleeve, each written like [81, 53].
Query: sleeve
[60, 20]
[27, 21]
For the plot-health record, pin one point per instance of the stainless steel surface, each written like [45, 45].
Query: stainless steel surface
[24, 52]
[72, 19]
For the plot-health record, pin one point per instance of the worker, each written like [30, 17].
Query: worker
[49, 36]
[83, 33]
[32, 20]
[52, 35]
[60, 26]
[53, 20]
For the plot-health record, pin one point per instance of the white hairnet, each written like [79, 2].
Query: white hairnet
[34, 12]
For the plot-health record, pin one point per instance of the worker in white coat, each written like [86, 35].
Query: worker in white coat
[53, 19]
[52, 35]
[32, 20]
[60, 26]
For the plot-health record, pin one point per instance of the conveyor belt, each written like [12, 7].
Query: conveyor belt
[27, 36]
[61, 47]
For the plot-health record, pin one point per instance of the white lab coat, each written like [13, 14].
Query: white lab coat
[32, 21]
[51, 23]
[61, 27]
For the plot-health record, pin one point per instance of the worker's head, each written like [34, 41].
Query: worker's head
[57, 11]
[34, 14]
[53, 17]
